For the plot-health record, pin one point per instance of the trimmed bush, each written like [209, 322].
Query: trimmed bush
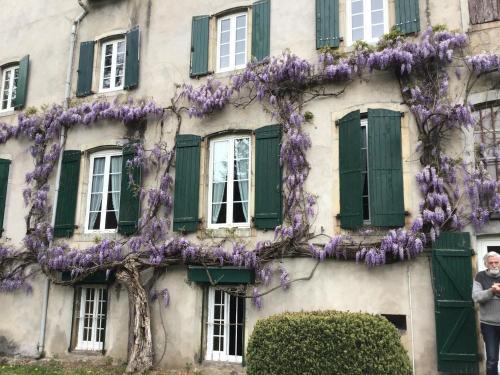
[326, 343]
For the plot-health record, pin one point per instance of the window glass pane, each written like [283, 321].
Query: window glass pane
[357, 20]
[240, 212]
[220, 150]
[224, 62]
[377, 31]
[224, 50]
[239, 59]
[241, 21]
[356, 7]
[232, 325]
[241, 34]
[108, 49]
[357, 34]
[225, 24]
[224, 37]
[121, 47]
[219, 213]
[111, 220]
[120, 59]
[95, 220]
[241, 169]
[378, 17]
[116, 166]
[241, 147]
[366, 212]
[107, 60]
[118, 81]
[377, 4]
[240, 47]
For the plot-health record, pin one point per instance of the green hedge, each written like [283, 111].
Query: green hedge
[326, 342]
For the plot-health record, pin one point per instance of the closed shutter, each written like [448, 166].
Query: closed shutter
[4, 178]
[385, 168]
[187, 183]
[327, 23]
[456, 338]
[261, 34]
[129, 196]
[22, 83]
[268, 178]
[132, 59]
[408, 16]
[85, 69]
[351, 203]
[199, 46]
[67, 196]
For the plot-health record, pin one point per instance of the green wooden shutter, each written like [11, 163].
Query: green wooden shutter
[22, 83]
[4, 178]
[351, 189]
[268, 178]
[132, 59]
[407, 16]
[327, 23]
[385, 168]
[129, 196]
[261, 34]
[454, 310]
[85, 69]
[187, 183]
[67, 196]
[199, 46]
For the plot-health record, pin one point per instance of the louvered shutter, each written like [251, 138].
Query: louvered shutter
[22, 83]
[408, 16]
[85, 69]
[132, 59]
[456, 338]
[199, 46]
[483, 11]
[67, 196]
[268, 178]
[187, 183]
[129, 196]
[327, 23]
[351, 189]
[385, 168]
[261, 34]
[4, 178]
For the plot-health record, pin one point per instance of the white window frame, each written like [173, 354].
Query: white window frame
[98, 303]
[482, 248]
[232, 42]
[230, 182]
[367, 31]
[10, 100]
[216, 355]
[107, 165]
[114, 58]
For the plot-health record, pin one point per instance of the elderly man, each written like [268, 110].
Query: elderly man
[486, 292]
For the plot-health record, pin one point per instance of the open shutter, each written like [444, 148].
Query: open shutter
[4, 178]
[85, 69]
[132, 59]
[454, 310]
[199, 46]
[268, 178]
[261, 23]
[327, 23]
[408, 16]
[187, 183]
[129, 196]
[483, 11]
[22, 83]
[351, 189]
[385, 168]
[67, 196]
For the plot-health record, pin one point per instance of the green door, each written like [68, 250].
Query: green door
[456, 338]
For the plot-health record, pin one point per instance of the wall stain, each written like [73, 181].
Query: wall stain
[7, 347]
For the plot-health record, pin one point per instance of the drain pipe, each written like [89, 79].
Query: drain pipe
[408, 270]
[62, 141]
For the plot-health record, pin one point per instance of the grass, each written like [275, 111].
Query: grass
[54, 368]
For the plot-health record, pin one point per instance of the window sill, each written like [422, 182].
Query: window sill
[226, 232]
[84, 352]
[7, 112]
[92, 237]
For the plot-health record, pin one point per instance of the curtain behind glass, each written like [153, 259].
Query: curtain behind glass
[219, 177]
[96, 190]
[115, 170]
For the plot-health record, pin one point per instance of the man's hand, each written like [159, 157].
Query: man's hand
[495, 288]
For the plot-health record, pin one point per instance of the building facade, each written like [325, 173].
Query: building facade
[143, 49]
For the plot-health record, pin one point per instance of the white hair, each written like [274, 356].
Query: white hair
[488, 255]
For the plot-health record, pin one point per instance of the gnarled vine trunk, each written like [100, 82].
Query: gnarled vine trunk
[140, 343]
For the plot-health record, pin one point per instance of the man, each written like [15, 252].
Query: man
[486, 292]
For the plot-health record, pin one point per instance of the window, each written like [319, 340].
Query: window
[229, 47]
[112, 65]
[231, 42]
[487, 136]
[224, 326]
[103, 200]
[370, 168]
[10, 77]
[90, 317]
[366, 20]
[229, 182]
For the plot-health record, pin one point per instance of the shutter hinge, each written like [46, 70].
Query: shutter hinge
[337, 122]
[402, 114]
